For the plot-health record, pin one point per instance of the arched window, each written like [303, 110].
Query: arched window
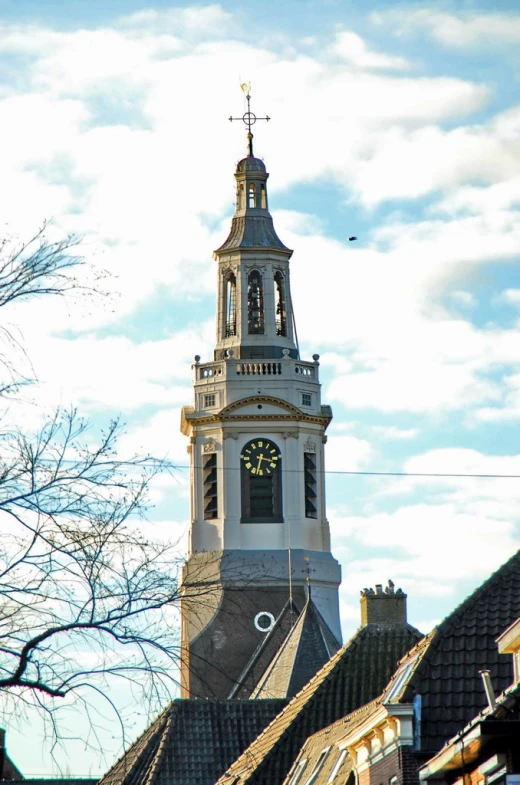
[240, 196]
[231, 305]
[263, 197]
[255, 303]
[261, 482]
[251, 196]
[281, 307]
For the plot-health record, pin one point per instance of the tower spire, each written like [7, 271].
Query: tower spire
[249, 118]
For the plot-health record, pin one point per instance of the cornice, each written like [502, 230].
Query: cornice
[217, 418]
[272, 399]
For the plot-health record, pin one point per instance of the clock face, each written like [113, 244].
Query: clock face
[261, 457]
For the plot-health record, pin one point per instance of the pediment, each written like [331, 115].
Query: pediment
[268, 403]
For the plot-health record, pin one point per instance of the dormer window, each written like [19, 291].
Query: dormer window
[251, 196]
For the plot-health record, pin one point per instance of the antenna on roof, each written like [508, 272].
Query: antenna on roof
[488, 687]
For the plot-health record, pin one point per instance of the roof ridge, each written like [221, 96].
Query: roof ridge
[310, 687]
[287, 608]
[149, 732]
[160, 750]
[472, 598]
[283, 648]
[321, 622]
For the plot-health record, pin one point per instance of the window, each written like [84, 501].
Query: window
[306, 399]
[255, 303]
[318, 766]
[209, 486]
[240, 196]
[210, 400]
[281, 309]
[298, 772]
[261, 491]
[251, 196]
[337, 766]
[263, 197]
[231, 305]
[310, 483]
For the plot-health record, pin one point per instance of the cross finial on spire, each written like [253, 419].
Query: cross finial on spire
[249, 118]
[308, 569]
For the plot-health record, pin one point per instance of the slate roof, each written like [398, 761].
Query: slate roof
[252, 231]
[266, 651]
[309, 645]
[328, 737]
[355, 675]
[192, 742]
[446, 670]
[507, 709]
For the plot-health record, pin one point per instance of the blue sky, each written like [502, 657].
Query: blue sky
[397, 123]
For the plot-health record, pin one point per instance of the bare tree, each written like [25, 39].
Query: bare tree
[87, 594]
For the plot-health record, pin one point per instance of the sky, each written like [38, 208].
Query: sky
[396, 123]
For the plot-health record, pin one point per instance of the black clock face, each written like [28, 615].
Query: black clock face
[261, 457]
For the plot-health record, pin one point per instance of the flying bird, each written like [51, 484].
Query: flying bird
[352, 238]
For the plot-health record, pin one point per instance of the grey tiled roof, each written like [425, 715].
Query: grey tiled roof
[446, 673]
[192, 742]
[328, 737]
[266, 652]
[355, 675]
[309, 645]
[252, 231]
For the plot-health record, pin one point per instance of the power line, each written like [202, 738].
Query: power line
[459, 475]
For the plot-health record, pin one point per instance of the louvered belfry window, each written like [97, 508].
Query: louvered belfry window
[310, 482]
[255, 303]
[231, 305]
[209, 485]
[281, 308]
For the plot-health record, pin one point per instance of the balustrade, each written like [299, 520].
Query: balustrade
[259, 369]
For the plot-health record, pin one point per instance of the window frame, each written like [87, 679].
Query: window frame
[324, 754]
[206, 404]
[297, 773]
[247, 480]
[337, 766]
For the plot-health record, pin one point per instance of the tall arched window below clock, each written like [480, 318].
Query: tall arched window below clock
[280, 305]
[261, 482]
[255, 303]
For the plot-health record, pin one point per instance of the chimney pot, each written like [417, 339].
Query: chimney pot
[383, 607]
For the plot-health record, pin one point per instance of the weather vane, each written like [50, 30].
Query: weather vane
[249, 118]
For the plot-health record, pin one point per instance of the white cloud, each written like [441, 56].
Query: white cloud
[510, 296]
[347, 452]
[467, 30]
[350, 47]
[391, 432]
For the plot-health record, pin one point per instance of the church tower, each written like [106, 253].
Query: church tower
[257, 426]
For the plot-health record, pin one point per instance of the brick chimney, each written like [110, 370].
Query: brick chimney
[383, 606]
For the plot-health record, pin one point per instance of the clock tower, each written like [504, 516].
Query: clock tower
[257, 434]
